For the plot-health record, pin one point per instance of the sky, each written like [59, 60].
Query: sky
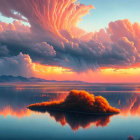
[109, 10]
[104, 12]
[88, 40]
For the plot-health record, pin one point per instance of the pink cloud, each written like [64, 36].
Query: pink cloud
[54, 39]
[49, 15]
[15, 26]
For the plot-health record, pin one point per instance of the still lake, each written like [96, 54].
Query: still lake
[18, 122]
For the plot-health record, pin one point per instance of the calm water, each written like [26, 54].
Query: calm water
[17, 122]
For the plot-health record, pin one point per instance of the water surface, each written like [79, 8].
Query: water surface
[17, 122]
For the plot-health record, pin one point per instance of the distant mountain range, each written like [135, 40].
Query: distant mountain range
[9, 78]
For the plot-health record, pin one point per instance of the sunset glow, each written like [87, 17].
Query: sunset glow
[104, 75]
[51, 44]
[70, 69]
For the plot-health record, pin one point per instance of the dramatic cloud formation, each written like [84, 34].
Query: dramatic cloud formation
[49, 15]
[77, 101]
[53, 37]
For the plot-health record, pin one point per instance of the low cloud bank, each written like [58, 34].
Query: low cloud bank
[17, 65]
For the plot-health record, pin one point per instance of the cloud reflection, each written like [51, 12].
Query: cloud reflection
[13, 103]
[19, 113]
[77, 121]
[132, 107]
[77, 110]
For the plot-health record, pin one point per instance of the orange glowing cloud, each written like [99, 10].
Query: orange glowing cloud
[78, 101]
[42, 70]
[81, 102]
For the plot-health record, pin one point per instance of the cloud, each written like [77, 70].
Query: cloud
[3, 50]
[16, 65]
[15, 26]
[78, 101]
[51, 16]
[17, 38]
[44, 49]
[53, 37]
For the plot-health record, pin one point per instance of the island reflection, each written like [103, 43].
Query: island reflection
[129, 105]
[76, 121]
[79, 109]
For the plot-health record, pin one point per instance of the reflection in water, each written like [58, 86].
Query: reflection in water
[76, 121]
[13, 101]
[129, 106]
[132, 108]
[128, 103]
[78, 101]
